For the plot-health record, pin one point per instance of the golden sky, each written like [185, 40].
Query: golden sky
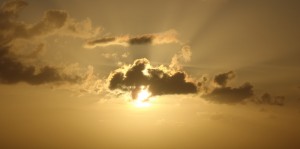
[149, 74]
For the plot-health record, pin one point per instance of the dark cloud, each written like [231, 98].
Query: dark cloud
[102, 40]
[53, 21]
[126, 40]
[230, 95]
[146, 39]
[159, 81]
[12, 29]
[222, 79]
[14, 71]
[12, 7]
[225, 94]
[122, 40]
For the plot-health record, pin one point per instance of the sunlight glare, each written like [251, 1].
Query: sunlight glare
[143, 98]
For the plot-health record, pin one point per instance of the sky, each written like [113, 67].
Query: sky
[149, 74]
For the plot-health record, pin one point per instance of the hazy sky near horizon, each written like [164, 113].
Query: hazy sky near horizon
[221, 73]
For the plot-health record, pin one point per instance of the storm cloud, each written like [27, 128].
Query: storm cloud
[158, 80]
[169, 36]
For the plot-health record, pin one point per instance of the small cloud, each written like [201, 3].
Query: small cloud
[184, 55]
[222, 79]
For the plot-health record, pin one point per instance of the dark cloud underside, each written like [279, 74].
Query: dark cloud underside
[231, 95]
[146, 39]
[12, 68]
[14, 71]
[127, 40]
[222, 79]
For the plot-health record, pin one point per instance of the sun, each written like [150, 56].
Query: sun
[143, 95]
[143, 98]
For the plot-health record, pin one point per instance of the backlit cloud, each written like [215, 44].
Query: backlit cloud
[229, 95]
[183, 56]
[14, 67]
[14, 71]
[222, 93]
[127, 40]
[159, 80]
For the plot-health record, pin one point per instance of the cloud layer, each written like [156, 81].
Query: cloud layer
[14, 67]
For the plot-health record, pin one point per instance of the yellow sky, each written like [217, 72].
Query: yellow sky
[149, 74]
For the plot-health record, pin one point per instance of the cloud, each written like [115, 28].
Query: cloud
[222, 93]
[183, 56]
[159, 80]
[169, 36]
[53, 22]
[13, 7]
[222, 79]
[139, 40]
[15, 35]
[229, 95]
[14, 71]
[267, 98]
